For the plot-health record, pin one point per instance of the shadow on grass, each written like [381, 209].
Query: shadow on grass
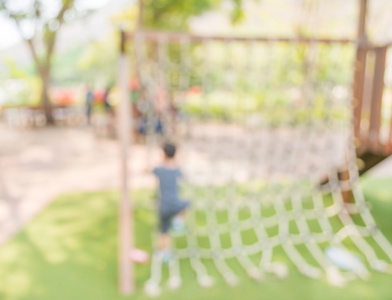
[72, 243]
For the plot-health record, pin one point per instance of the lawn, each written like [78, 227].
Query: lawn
[68, 252]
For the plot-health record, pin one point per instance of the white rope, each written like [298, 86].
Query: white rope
[279, 160]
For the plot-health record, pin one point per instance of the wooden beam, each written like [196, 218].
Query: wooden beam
[362, 33]
[139, 25]
[376, 103]
[126, 274]
[360, 69]
[157, 35]
[359, 88]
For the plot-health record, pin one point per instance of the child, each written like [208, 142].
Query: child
[171, 207]
[89, 103]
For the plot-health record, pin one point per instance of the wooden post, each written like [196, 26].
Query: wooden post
[360, 69]
[344, 176]
[358, 89]
[376, 103]
[139, 25]
[126, 278]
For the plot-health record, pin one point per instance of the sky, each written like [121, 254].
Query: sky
[10, 36]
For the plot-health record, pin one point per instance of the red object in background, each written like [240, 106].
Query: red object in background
[64, 97]
[134, 84]
[99, 95]
[194, 90]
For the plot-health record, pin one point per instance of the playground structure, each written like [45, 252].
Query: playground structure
[258, 160]
[371, 91]
[373, 97]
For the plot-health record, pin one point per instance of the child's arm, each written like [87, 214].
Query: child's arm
[149, 170]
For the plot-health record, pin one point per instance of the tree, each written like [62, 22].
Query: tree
[38, 22]
[160, 14]
[174, 14]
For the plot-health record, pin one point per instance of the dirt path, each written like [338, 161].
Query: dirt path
[38, 165]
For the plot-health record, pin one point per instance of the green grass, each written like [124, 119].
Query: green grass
[69, 252]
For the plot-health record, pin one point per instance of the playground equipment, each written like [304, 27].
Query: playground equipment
[254, 167]
[373, 94]
[371, 91]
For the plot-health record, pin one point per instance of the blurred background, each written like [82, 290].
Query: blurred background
[58, 92]
[86, 42]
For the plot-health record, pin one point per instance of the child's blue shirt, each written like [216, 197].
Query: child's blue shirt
[168, 186]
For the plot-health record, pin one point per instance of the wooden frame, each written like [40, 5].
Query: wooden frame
[126, 276]
[157, 35]
[125, 210]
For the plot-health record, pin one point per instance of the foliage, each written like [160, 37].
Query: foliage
[174, 14]
[65, 71]
[21, 87]
[97, 64]
[267, 107]
[280, 83]
[127, 19]
[38, 22]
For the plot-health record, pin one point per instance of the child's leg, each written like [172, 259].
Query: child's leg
[178, 219]
[164, 241]
[182, 210]
[182, 213]
[178, 222]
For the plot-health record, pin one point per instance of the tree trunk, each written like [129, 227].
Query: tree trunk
[45, 99]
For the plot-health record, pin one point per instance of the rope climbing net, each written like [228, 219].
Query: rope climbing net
[262, 127]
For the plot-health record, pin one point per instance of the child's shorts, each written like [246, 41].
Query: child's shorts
[166, 215]
[144, 126]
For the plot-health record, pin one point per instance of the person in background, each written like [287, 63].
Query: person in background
[89, 103]
[106, 103]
